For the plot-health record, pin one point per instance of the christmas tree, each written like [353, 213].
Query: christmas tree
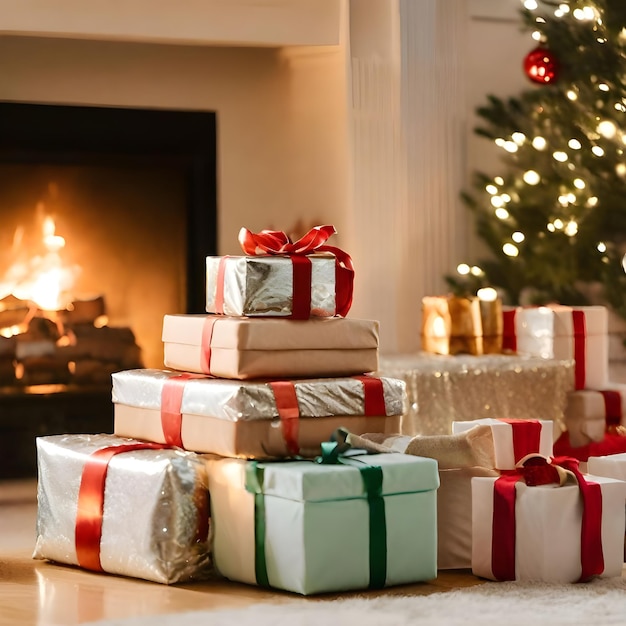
[554, 220]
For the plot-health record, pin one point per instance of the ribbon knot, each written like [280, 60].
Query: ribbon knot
[276, 242]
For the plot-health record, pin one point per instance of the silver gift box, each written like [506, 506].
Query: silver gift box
[154, 501]
[263, 285]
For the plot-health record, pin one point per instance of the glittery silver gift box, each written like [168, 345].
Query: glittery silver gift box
[154, 516]
[248, 419]
[264, 285]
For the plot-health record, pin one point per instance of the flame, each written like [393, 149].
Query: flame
[43, 278]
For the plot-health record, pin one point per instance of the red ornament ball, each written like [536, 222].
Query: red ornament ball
[541, 66]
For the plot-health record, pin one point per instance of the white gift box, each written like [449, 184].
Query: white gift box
[548, 522]
[589, 413]
[561, 332]
[317, 523]
[612, 466]
[251, 419]
[514, 439]
[154, 519]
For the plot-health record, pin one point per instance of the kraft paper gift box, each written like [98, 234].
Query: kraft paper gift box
[560, 332]
[122, 506]
[244, 348]
[251, 419]
[591, 413]
[514, 439]
[554, 533]
[312, 528]
[451, 325]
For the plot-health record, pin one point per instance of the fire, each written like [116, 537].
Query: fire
[40, 277]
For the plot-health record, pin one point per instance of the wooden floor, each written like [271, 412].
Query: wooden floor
[42, 594]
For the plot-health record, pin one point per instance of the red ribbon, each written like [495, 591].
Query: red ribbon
[526, 437]
[580, 344]
[171, 403]
[612, 409]
[373, 396]
[509, 337]
[276, 242]
[88, 529]
[288, 411]
[537, 471]
[205, 344]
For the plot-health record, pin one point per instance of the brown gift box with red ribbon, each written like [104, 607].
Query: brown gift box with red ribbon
[548, 522]
[259, 419]
[281, 278]
[122, 506]
[245, 348]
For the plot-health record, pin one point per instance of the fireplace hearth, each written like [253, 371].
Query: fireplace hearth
[133, 193]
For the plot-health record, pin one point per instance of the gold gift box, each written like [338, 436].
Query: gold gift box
[461, 325]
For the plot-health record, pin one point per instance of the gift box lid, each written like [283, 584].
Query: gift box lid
[248, 333]
[557, 321]
[307, 481]
[240, 400]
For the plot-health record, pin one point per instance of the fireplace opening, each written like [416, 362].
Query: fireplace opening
[107, 217]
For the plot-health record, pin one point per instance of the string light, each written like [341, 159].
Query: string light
[518, 237]
[572, 95]
[574, 144]
[603, 87]
[463, 269]
[601, 247]
[492, 189]
[539, 143]
[592, 201]
[476, 271]
[531, 177]
[598, 151]
[607, 129]
[560, 156]
[571, 228]
[502, 214]
[531, 5]
[518, 138]
[498, 180]
[510, 146]
[510, 249]
[579, 183]
[497, 202]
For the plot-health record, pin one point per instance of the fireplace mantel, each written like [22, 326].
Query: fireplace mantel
[272, 23]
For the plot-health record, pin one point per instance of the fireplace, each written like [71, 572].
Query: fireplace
[131, 193]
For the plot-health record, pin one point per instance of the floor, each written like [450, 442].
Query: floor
[38, 593]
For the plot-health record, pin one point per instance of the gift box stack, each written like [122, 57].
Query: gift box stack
[250, 394]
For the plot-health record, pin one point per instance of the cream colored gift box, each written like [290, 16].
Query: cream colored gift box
[561, 332]
[514, 439]
[245, 348]
[154, 516]
[548, 521]
[251, 419]
[264, 285]
[312, 528]
[590, 413]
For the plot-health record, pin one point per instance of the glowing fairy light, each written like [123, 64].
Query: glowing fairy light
[531, 5]
[620, 169]
[463, 269]
[492, 189]
[510, 249]
[502, 214]
[505, 197]
[518, 138]
[498, 180]
[531, 177]
[563, 200]
[560, 156]
[564, 7]
[618, 106]
[497, 202]
[607, 129]
[601, 247]
[487, 294]
[579, 183]
[550, 227]
[585, 14]
[510, 146]
[598, 151]
[539, 143]
[571, 228]
[603, 87]
[572, 95]
[499, 142]
[592, 201]
[574, 144]
[518, 237]
[476, 271]
[536, 35]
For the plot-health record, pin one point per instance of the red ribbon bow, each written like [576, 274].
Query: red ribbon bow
[276, 242]
[539, 471]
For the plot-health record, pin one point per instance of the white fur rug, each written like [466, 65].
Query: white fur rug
[599, 603]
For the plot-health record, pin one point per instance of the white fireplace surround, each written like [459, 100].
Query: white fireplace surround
[350, 112]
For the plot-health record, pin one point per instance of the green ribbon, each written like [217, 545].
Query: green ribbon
[334, 452]
[254, 484]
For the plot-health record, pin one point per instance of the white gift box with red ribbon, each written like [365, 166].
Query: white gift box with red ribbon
[548, 533]
[612, 466]
[562, 332]
[513, 439]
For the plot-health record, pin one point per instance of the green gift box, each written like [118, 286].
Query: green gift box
[369, 521]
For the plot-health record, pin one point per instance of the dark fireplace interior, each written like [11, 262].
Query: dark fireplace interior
[107, 217]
